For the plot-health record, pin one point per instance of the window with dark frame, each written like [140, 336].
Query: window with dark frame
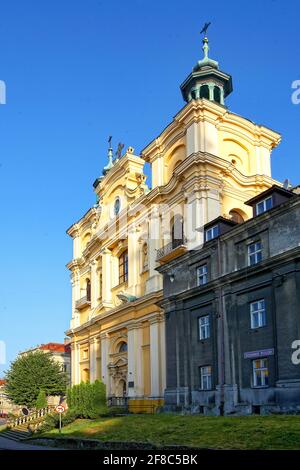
[123, 267]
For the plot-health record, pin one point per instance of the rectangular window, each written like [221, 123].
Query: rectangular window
[204, 327]
[254, 253]
[202, 275]
[205, 378]
[211, 233]
[260, 373]
[258, 314]
[123, 267]
[264, 205]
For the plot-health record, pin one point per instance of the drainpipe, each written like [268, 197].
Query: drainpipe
[221, 355]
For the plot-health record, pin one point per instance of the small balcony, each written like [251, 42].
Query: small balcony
[83, 303]
[170, 251]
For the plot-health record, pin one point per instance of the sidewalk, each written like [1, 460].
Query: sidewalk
[7, 444]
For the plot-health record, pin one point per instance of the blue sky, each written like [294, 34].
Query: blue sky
[78, 71]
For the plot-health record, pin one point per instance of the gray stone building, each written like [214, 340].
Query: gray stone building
[233, 314]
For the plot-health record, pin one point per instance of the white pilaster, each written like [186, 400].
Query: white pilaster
[104, 362]
[202, 137]
[93, 364]
[133, 261]
[94, 284]
[76, 247]
[75, 281]
[106, 276]
[194, 219]
[158, 171]
[75, 363]
[213, 204]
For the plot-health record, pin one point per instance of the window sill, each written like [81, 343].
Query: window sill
[118, 286]
[259, 388]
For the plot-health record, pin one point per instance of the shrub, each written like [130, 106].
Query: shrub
[41, 401]
[52, 421]
[87, 400]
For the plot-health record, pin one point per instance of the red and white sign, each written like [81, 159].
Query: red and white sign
[59, 409]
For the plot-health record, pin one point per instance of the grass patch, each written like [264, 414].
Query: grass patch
[249, 432]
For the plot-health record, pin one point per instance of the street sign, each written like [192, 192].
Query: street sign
[59, 409]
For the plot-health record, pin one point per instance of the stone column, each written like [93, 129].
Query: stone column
[155, 358]
[93, 364]
[222, 101]
[106, 277]
[211, 87]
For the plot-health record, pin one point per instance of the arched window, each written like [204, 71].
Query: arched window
[193, 94]
[217, 94]
[236, 216]
[122, 347]
[88, 290]
[177, 230]
[123, 267]
[204, 92]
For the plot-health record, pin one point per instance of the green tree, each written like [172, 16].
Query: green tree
[41, 401]
[31, 373]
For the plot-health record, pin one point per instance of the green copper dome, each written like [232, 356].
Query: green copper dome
[207, 80]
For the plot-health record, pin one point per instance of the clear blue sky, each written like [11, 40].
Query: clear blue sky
[77, 71]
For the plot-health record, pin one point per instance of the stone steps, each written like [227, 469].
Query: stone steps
[15, 434]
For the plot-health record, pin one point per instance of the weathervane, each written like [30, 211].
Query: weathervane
[205, 28]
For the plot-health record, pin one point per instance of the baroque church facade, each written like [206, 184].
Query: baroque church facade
[205, 164]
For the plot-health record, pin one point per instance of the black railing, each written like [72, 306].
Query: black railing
[165, 250]
[118, 401]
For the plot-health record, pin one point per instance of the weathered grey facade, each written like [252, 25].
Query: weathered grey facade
[231, 342]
